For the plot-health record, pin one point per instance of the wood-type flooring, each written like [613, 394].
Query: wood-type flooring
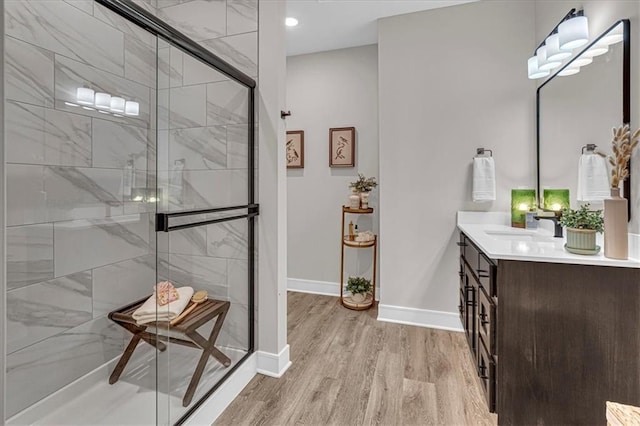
[350, 369]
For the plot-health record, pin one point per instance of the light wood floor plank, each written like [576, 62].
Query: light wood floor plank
[350, 369]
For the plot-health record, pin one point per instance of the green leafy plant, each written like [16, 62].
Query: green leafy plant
[363, 184]
[583, 219]
[358, 285]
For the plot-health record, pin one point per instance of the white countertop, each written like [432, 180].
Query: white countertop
[493, 234]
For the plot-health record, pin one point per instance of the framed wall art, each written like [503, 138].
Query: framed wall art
[342, 147]
[295, 149]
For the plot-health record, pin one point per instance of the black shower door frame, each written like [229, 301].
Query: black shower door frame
[161, 29]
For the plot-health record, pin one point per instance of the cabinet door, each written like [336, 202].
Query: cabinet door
[487, 275]
[486, 320]
[471, 289]
[487, 374]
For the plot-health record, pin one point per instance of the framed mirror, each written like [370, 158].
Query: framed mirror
[579, 105]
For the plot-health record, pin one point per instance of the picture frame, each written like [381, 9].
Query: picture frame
[295, 149]
[342, 147]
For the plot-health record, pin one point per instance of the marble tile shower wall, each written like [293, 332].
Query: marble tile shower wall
[77, 245]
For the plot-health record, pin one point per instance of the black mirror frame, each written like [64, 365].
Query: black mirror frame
[626, 99]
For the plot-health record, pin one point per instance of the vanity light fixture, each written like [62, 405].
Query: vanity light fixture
[581, 61]
[574, 32]
[571, 32]
[117, 104]
[554, 53]
[569, 71]
[614, 36]
[597, 50]
[131, 108]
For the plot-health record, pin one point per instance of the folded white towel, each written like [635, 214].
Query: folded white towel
[484, 179]
[593, 178]
[150, 311]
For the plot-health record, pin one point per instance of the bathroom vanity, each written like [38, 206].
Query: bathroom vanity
[554, 335]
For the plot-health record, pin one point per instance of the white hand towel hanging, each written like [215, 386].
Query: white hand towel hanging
[593, 178]
[484, 179]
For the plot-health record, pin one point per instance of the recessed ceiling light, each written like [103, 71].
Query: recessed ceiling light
[291, 22]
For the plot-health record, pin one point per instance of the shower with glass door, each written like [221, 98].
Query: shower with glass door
[130, 160]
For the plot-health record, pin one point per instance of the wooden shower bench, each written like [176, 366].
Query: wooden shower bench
[202, 314]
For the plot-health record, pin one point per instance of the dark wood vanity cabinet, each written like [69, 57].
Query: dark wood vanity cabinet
[567, 337]
[478, 300]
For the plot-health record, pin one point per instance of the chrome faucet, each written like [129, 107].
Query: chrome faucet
[557, 228]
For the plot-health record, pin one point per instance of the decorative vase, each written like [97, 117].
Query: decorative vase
[358, 297]
[581, 239]
[616, 239]
[364, 200]
[354, 200]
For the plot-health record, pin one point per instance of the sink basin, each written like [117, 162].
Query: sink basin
[518, 235]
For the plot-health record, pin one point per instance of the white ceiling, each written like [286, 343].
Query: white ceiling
[336, 24]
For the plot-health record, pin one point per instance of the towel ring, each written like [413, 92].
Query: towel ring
[482, 151]
[589, 147]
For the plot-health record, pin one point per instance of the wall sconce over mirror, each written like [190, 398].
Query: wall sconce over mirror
[577, 111]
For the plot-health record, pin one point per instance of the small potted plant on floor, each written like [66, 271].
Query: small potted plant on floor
[582, 226]
[358, 287]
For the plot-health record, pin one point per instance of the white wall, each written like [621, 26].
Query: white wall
[338, 88]
[602, 14]
[450, 80]
[272, 222]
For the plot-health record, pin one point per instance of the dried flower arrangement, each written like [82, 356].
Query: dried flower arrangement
[623, 144]
[363, 184]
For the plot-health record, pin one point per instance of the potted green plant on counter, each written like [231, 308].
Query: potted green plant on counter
[582, 226]
[358, 287]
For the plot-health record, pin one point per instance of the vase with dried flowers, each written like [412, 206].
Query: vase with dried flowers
[616, 243]
[363, 186]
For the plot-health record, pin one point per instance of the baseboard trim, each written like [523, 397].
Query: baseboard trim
[420, 317]
[324, 288]
[273, 365]
[209, 411]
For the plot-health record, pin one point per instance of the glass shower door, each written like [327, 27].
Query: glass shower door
[204, 223]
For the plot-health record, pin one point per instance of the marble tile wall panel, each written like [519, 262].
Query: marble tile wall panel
[170, 66]
[78, 193]
[227, 103]
[70, 74]
[26, 196]
[116, 285]
[168, 3]
[214, 188]
[122, 24]
[188, 107]
[237, 146]
[241, 51]
[84, 5]
[196, 72]
[36, 135]
[199, 272]
[242, 16]
[201, 148]
[148, 5]
[228, 239]
[139, 61]
[85, 244]
[41, 369]
[47, 24]
[43, 310]
[235, 330]
[114, 144]
[238, 281]
[29, 255]
[199, 20]
[190, 241]
[28, 73]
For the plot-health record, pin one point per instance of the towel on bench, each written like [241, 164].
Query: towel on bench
[150, 311]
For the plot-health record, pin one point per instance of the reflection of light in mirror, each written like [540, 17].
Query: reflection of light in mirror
[103, 100]
[117, 104]
[88, 108]
[581, 61]
[614, 36]
[596, 50]
[569, 71]
[71, 104]
[523, 207]
[556, 207]
[554, 53]
[84, 96]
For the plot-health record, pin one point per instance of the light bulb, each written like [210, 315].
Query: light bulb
[291, 22]
[84, 96]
